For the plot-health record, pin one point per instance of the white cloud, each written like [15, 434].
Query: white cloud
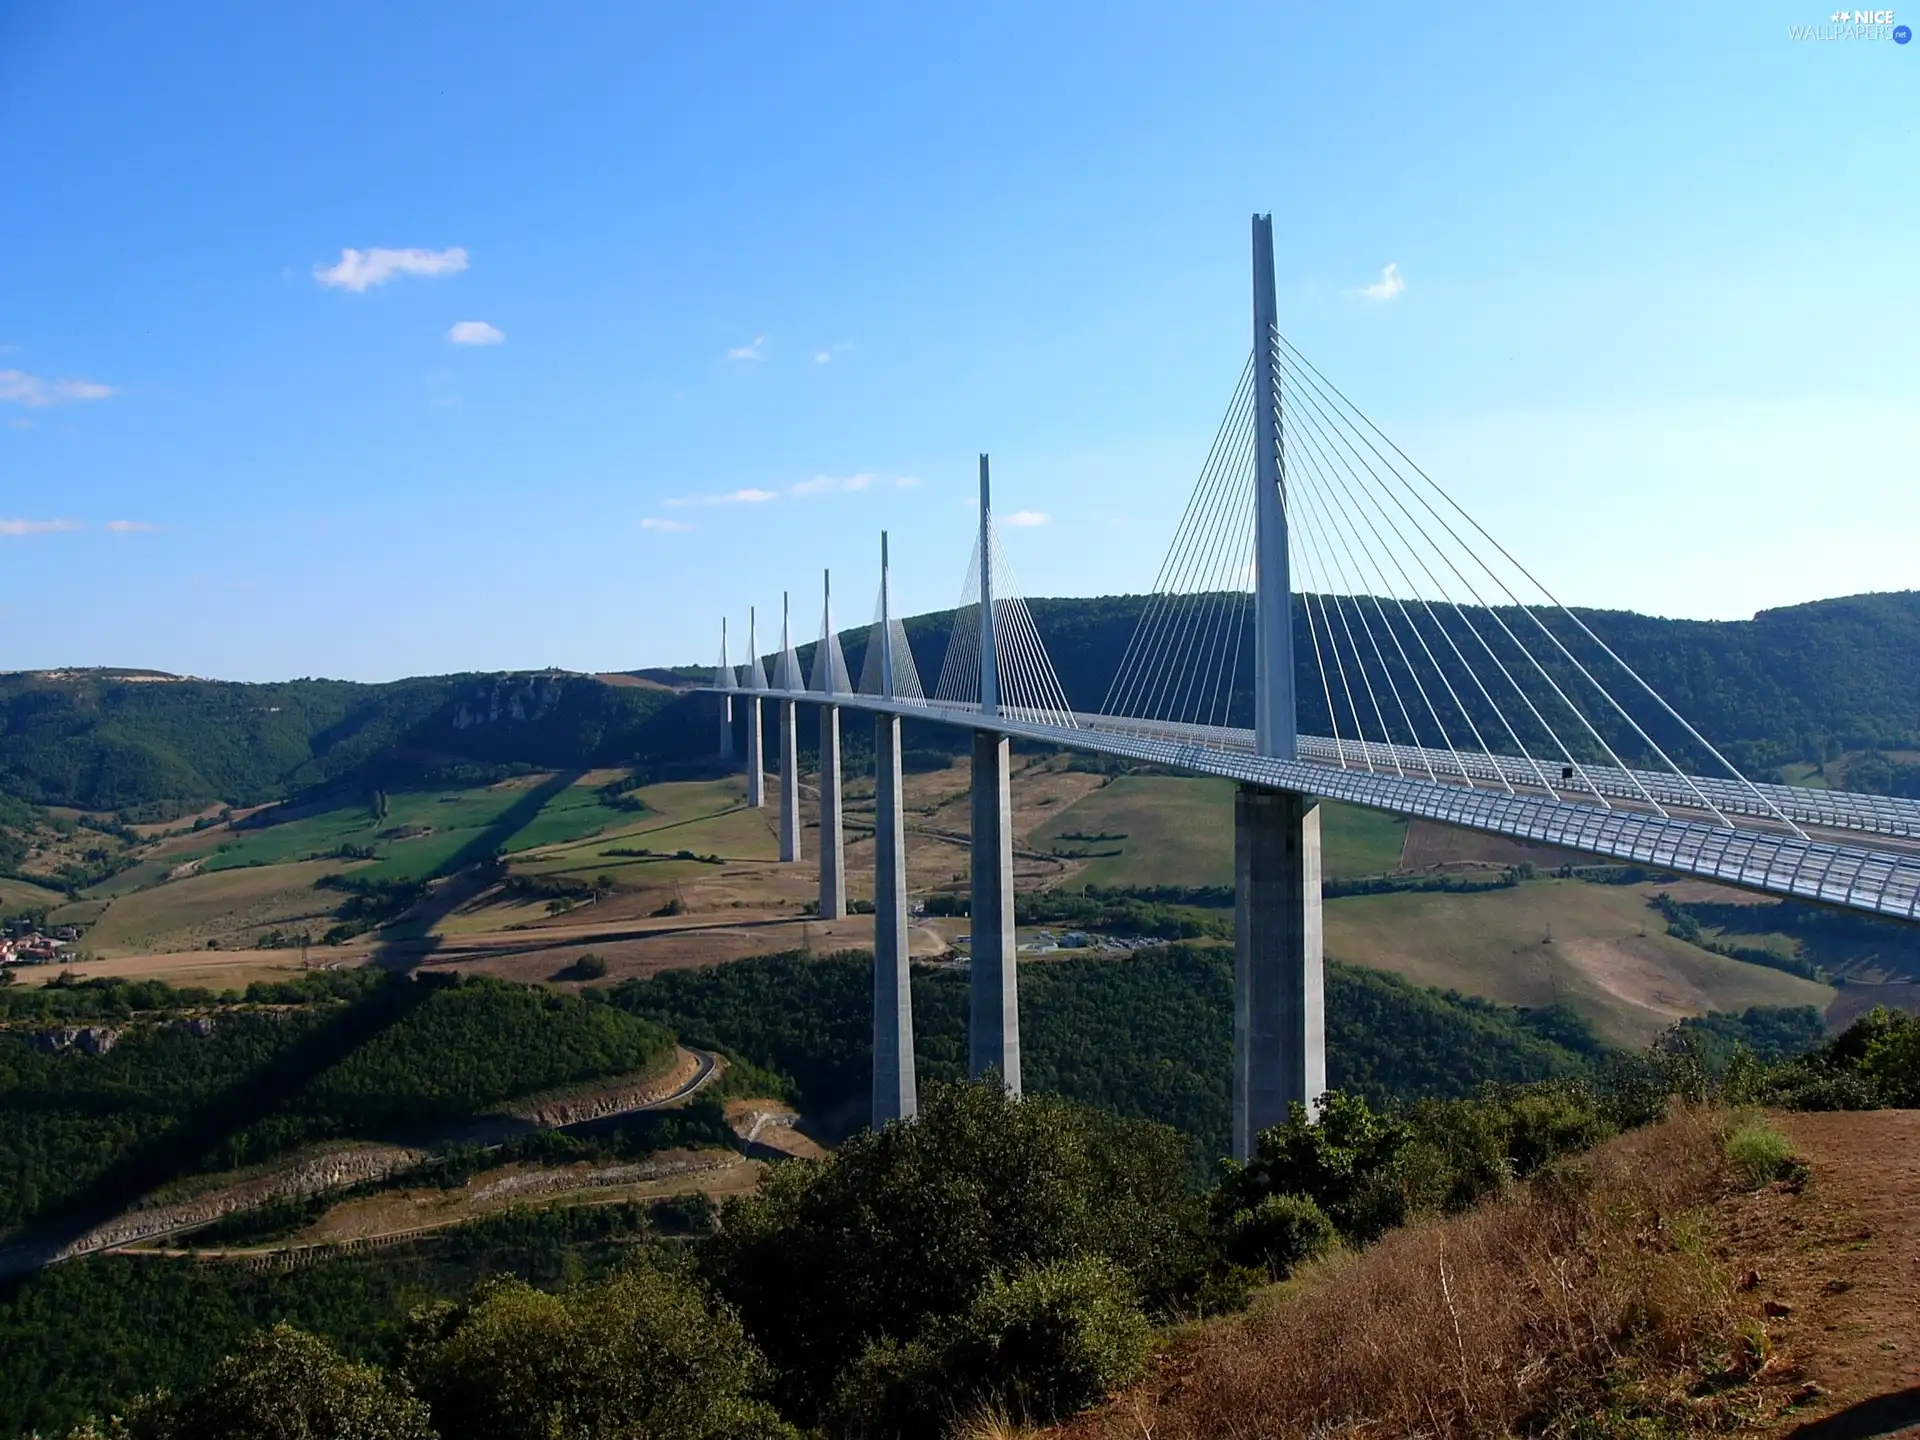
[1390, 284]
[23, 389]
[19, 424]
[749, 354]
[655, 522]
[833, 485]
[129, 527]
[749, 496]
[360, 270]
[1025, 518]
[37, 527]
[849, 484]
[475, 332]
[823, 357]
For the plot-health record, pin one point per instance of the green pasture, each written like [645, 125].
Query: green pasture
[1179, 831]
[707, 817]
[453, 827]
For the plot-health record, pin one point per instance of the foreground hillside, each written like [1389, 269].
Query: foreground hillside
[1670, 1284]
[1634, 1252]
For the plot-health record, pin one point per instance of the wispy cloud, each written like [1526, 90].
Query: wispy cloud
[37, 527]
[823, 357]
[20, 388]
[129, 527]
[749, 354]
[1390, 284]
[1025, 519]
[825, 353]
[655, 522]
[475, 332]
[849, 484]
[749, 496]
[360, 270]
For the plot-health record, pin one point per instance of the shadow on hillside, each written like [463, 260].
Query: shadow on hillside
[1882, 1415]
[409, 942]
[188, 1149]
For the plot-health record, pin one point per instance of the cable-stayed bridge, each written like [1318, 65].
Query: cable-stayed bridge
[1328, 623]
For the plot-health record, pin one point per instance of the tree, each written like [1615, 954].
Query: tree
[1037, 1347]
[904, 1227]
[287, 1385]
[642, 1353]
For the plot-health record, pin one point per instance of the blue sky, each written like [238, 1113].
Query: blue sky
[1657, 326]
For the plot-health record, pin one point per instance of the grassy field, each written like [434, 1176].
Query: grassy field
[706, 817]
[422, 832]
[19, 895]
[1597, 948]
[230, 906]
[1180, 832]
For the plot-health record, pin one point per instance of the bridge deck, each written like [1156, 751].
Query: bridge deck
[1882, 882]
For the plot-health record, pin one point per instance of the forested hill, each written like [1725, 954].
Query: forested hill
[1802, 683]
[147, 745]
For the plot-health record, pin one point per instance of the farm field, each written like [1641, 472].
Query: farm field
[710, 889]
[1597, 948]
[17, 895]
[227, 906]
[1179, 831]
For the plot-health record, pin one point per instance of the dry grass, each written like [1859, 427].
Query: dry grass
[1587, 1301]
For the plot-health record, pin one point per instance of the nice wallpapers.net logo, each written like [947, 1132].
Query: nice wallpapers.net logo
[1855, 25]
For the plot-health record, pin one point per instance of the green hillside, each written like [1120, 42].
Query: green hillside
[1802, 684]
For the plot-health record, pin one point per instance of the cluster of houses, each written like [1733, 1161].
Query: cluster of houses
[24, 944]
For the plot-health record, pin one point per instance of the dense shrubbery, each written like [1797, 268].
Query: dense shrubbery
[644, 1352]
[89, 1334]
[1769, 1033]
[1874, 1063]
[902, 1229]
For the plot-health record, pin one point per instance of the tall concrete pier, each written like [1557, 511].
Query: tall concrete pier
[789, 781]
[1279, 1009]
[993, 1028]
[756, 737]
[894, 1093]
[833, 864]
[756, 756]
[993, 1035]
[724, 678]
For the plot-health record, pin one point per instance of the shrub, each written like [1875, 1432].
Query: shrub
[1758, 1152]
[1891, 1062]
[287, 1383]
[1278, 1233]
[589, 967]
[1046, 1344]
[643, 1352]
[899, 1230]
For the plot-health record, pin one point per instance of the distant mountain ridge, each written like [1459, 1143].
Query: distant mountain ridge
[1800, 683]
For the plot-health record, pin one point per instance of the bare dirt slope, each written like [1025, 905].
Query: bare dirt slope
[1844, 1254]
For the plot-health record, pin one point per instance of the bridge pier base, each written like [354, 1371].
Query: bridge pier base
[1279, 1006]
[789, 782]
[894, 1093]
[756, 756]
[993, 1036]
[833, 865]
